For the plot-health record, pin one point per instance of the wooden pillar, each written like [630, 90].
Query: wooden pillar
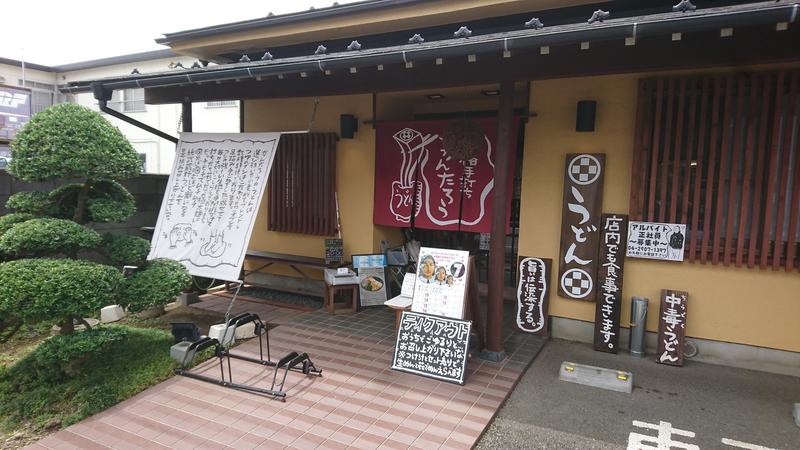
[497, 246]
[186, 115]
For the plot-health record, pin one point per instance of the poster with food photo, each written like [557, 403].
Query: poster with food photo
[371, 279]
[441, 282]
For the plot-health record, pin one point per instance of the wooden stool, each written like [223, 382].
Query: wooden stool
[330, 296]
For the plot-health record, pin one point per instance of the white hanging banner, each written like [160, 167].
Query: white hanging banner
[211, 201]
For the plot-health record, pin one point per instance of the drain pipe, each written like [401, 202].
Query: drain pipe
[103, 95]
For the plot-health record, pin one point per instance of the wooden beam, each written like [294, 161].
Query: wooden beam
[497, 246]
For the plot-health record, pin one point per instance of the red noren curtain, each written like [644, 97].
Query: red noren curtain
[302, 185]
[720, 154]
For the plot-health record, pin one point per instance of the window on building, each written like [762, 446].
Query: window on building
[302, 185]
[42, 94]
[221, 104]
[720, 154]
[127, 100]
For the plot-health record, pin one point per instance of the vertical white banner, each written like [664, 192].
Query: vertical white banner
[211, 201]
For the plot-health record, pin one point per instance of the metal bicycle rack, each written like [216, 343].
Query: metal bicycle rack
[185, 352]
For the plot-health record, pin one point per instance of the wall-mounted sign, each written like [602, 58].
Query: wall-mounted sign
[533, 294]
[672, 327]
[211, 201]
[580, 223]
[15, 110]
[442, 276]
[414, 171]
[609, 282]
[432, 346]
[651, 240]
[334, 252]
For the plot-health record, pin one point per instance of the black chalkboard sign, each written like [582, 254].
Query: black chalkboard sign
[334, 252]
[432, 346]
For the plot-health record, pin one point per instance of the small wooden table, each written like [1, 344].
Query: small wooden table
[398, 314]
[330, 296]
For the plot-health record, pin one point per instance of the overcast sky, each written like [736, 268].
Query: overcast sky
[53, 33]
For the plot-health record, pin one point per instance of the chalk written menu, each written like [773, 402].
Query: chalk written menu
[432, 346]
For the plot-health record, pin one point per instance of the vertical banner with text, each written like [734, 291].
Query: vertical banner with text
[580, 223]
[533, 294]
[609, 282]
[671, 327]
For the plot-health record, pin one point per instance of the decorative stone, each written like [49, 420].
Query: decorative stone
[599, 16]
[534, 23]
[683, 6]
[246, 331]
[218, 332]
[187, 298]
[111, 313]
[416, 39]
[462, 32]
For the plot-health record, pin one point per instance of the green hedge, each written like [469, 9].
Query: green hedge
[108, 201]
[46, 236]
[125, 250]
[40, 289]
[9, 220]
[37, 203]
[156, 285]
[70, 141]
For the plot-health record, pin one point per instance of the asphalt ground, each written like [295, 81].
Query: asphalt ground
[713, 402]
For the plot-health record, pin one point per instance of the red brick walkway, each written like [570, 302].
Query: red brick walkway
[358, 403]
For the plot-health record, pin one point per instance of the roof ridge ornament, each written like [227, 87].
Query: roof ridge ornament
[321, 50]
[599, 16]
[416, 39]
[534, 23]
[683, 6]
[462, 32]
[355, 45]
[267, 56]
[135, 71]
[244, 59]
[197, 65]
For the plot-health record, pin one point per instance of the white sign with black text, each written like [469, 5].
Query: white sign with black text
[652, 240]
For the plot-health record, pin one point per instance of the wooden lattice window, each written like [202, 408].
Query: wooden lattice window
[302, 185]
[720, 154]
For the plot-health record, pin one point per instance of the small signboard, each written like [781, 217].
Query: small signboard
[580, 224]
[609, 282]
[334, 252]
[442, 276]
[533, 294]
[432, 346]
[652, 240]
[672, 327]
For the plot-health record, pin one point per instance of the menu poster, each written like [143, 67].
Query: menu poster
[334, 252]
[432, 346]
[441, 282]
[371, 286]
[533, 294]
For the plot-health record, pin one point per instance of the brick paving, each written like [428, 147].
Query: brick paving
[359, 402]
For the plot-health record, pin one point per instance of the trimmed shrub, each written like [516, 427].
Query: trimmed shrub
[33, 202]
[70, 141]
[43, 237]
[107, 201]
[156, 285]
[60, 357]
[39, 289]
[125, 250]
[9, 220]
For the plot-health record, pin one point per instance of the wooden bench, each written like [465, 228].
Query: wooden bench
[293, 261]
